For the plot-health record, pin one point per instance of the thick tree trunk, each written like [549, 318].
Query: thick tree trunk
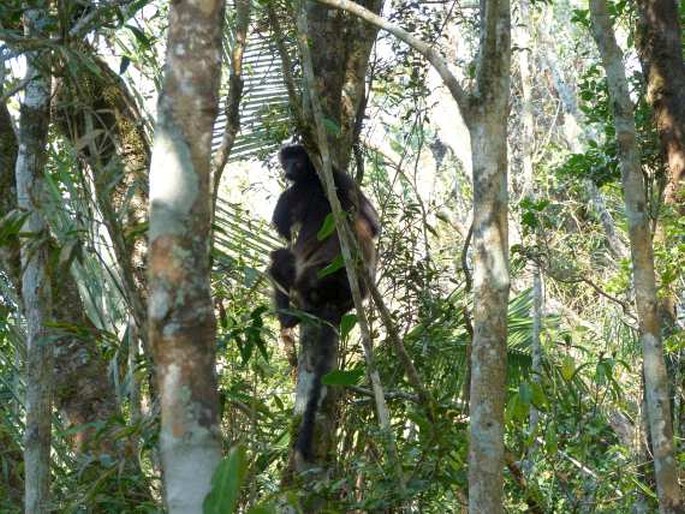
[36, 294]
[96, 108]
[181, 315]
[343, 44]
[488, 128]
[83, 392]
[661, 53]
[654, 368]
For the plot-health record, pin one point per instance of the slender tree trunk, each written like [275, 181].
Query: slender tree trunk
[36, 293]
[488, 128]
[83, 392]
[491, 295]
[523, 33]
[654, 368]
[527, 135]
[536, 343]
[181, 314]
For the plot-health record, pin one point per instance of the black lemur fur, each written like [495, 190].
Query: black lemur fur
[295, 270]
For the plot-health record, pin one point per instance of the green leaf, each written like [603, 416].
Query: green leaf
[327, 228]
[517, 410]
[140, 36]
[551, 441]
[568, 369]
[331, 126]
[347, 324]
[226, 483]
[525, 392]
[337, 264]
[10, 225]
[539, 396]
[343, 378]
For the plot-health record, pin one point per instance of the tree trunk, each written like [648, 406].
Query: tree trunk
[661, 53]
[654, 368]
[36, 294]
[491, 295]
[83, 392]
[660, 50]
[487, 124]
[181, 314]
[523, 33]
[95, 111]
[343, 44]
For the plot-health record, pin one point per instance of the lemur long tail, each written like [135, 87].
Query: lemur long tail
[327, 339]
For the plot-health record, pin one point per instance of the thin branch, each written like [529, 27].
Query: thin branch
[464, 259]
[235, 94]
[85, 24]
[396, 341]
[293, 96]
[581, 278]
[433, 57]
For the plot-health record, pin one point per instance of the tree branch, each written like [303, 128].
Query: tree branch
[235, 94]
[441, 66]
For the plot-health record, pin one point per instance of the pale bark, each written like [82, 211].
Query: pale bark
[181, 315]
[536, 343]
[614, 242]
[654, 368]
[36, 292]
[488, 129]
[527, 136]
[523, 41]
[491, 294]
